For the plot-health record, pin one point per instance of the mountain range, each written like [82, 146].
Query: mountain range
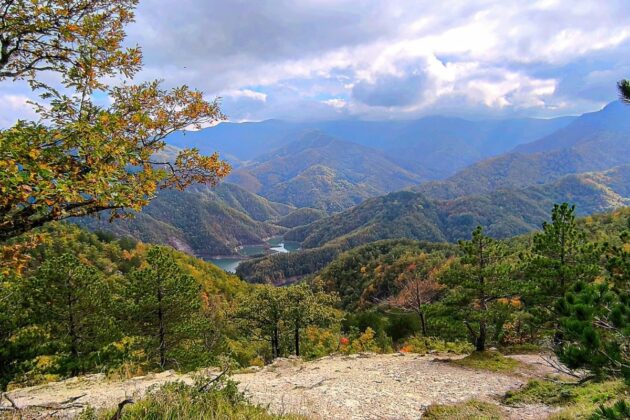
[433, 147]
[338, 184]
[322, 172]
[592, 142]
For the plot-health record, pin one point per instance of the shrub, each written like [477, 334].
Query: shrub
[423, 345]
[319, 342]
[469, 410]
[489, 360]
[177, 400]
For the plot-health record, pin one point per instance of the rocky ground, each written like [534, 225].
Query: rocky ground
[395, 386]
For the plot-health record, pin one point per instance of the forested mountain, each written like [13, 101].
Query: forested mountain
[301, 217]
[503, 213]
[319, 171]
[593, 142]
[201, 221]
[367, 275]
[611, 121]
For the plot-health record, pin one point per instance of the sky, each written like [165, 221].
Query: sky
[381, 59]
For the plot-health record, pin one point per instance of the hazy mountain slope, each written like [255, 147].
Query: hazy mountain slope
[237, 141]
[319, 171]
[198, 222]
[613, 120]
[593, 142]
[433, 147]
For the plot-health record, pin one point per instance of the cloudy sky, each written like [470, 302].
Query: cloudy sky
[381, 59]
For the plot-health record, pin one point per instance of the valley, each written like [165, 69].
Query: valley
[314, 210]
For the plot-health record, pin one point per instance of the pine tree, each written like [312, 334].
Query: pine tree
[560, 258]
[162, 302]
[70, 302]
[595, 330]
[480, 287]
[595, 317]
[624, 90]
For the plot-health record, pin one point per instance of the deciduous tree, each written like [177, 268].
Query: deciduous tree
[306, 307]
[80, 157]
[419, 288]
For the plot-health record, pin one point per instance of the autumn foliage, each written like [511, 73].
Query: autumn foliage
[80, 157]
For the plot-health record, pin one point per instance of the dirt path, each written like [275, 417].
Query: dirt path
[349, 387]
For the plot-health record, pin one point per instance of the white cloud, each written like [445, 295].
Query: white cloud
[14, 107]
[388, 58]
[335, 103]
[246, 93]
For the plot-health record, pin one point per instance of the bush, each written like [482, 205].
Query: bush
[469, 410]
[319, 342]
[592, 399]
[177, 400]
[489, 360]
[423, 345]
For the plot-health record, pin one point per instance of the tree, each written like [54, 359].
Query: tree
[480, 286]
[560, 257]
[70, 302]
[624, 90]
[306, 307]
[595, 330]
[419, 289]
[595, 317]
[162, 302]
[81, 158]
[263, 310]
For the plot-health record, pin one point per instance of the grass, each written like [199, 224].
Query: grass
[178, 400]
[469, 410]
[492, 361]
[526, 348]
[577, 401]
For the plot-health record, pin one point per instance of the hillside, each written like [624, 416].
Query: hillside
[612, 120]
[322, 172]
[200, 221]
[300, 217]
[593, 142]
[366, 275]
[503, 213]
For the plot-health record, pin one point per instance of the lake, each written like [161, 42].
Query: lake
[273, 245]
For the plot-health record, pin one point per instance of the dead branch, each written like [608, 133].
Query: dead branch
[206, 386]
[121, 405]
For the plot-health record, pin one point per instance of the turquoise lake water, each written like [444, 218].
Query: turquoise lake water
[274, 245]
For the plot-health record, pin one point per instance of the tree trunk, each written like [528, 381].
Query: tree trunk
[74, 339]
[423, 324]
[297, 339]
[161, 332]
[480, 342]
[275, 343]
